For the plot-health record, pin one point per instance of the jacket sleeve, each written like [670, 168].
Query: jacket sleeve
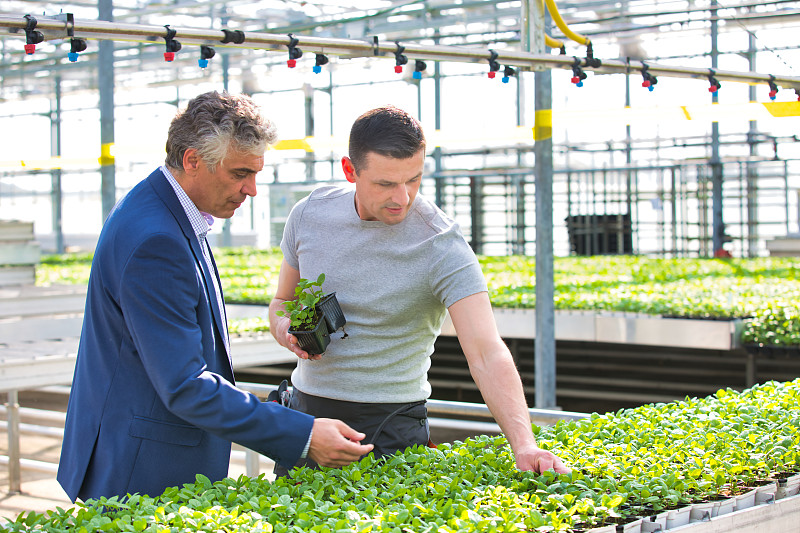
[162, 298]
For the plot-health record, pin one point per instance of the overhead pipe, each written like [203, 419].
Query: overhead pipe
[54, 28]
[577, 37]
[552, 43]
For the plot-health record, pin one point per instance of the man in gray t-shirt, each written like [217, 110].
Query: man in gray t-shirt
[397, 263]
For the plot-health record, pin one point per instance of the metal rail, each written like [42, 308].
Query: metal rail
[444, 407]
[57, 28]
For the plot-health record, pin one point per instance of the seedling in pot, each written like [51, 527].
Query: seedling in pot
[307, 322]
[302, 311]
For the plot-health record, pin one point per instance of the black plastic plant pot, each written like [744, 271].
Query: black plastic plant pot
[330, 309]
[314, 341]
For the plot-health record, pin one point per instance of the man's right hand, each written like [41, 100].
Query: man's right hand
[334, 443]
[279, 328]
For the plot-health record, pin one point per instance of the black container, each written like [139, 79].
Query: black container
[315, 341]
[330, 309]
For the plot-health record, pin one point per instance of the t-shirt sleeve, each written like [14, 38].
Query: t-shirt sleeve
[455, 272]
[290, 234]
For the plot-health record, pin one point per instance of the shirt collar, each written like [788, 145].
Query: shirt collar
[201, 222]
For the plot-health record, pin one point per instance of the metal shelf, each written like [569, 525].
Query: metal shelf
[619, 328]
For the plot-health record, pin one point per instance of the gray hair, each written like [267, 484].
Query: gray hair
[213, 123]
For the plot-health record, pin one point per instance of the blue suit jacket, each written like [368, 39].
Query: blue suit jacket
[153, 400]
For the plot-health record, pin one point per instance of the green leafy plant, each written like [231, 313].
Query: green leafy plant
[627, 464]
[762, 290]
[302, 311]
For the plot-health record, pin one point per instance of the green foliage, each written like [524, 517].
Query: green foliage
[624, 464]
[242, 326]
[70, 269]
[778, 324]
[248, 275]
[763, 290]
[302, 311]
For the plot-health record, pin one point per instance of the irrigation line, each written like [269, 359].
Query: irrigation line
[55, 28]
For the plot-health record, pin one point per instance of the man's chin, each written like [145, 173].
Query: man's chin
[394, 217]
[391, 221]
[224, 214]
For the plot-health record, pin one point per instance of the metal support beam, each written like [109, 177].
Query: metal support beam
[717, 223]
[55, 174]
[14, 477]
[226, 237]
[751, 187]
[533, 26]
[105, 83]
[437, 124]
[308, 106]
[545, 344]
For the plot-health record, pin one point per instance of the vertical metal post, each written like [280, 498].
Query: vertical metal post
[226, 237]
[105, 84]
[545, 343]
[786, 192]
[330, 113]
[226, 61]
[674, 213]
[786, 167]
[308, 106]
[629, 156]
[518, 179]
[475, 210]
[751, 177]
[750, 370]
[14, 477]
[534, 23]
[418, 83]
[437, 120]
[55, 174]
[252, 465]
[717, 224]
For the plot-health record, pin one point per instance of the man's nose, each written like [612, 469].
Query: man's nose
[401, 195]
[249, 186]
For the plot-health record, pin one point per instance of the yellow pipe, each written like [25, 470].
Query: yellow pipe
[552, 43]
[578, 38]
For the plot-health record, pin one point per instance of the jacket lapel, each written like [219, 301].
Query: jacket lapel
[167, 194]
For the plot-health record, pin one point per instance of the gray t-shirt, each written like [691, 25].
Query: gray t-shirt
[394, 284]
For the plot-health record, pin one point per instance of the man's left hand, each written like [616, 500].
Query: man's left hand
[538, 460]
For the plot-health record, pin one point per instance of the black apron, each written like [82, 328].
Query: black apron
[389, 426]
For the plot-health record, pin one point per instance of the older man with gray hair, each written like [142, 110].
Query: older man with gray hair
[153, 399]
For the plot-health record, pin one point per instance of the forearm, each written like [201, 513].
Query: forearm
[277, 327]
[494, 372]
[501, 387]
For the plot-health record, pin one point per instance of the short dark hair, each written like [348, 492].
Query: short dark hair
[213, 123]
[388, 131]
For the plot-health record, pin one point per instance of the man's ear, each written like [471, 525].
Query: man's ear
[191, 161]
[349, 169]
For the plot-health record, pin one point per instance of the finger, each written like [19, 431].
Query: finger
[355, 447]
[350, 433]
[354, 436]
[357, 453]
[544, 463]
[345, 457]
[301, 353]
[364, 449]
